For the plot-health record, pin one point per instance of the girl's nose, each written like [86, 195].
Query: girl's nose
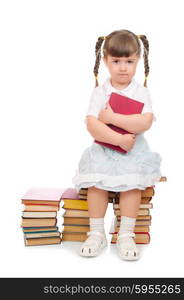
[123, 66]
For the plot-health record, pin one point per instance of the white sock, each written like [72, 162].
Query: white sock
[97, 224]
[127, 225]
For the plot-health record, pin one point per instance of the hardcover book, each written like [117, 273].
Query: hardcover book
[38, 195]
[122, 105]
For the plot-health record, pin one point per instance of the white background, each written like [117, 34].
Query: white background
[46, 76]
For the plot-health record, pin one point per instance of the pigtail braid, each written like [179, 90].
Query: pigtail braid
[145, 42]
[98, 57]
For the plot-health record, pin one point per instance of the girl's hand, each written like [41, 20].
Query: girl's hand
[106, 115]
[127, 141]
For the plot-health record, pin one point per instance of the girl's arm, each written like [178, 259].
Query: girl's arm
[136, 123]
[103, 133]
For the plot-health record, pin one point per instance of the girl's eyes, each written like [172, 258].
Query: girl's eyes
[129, 61]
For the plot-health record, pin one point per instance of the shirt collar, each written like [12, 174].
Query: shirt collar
[110, 89]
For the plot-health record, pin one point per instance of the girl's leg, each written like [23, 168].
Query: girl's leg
[129, 203]
[97, 202]
[129, 206]
[97, 206]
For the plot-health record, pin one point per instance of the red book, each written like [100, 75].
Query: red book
[122, 105]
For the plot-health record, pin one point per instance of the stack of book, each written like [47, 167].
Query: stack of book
[39, 217]
[143, 221]
[76, 217]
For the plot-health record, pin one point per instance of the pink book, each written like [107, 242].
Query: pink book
[122, 105]
[70, 193]
[45, 194]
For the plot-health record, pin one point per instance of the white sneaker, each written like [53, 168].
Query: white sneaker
[94, 244]
[126, 246]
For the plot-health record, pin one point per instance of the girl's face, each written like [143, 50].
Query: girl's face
[121, 69]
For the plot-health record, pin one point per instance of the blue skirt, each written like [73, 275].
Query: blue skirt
[111, 170]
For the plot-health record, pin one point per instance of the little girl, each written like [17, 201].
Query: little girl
[102, 169]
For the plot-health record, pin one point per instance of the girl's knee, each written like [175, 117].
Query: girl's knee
[97, 190]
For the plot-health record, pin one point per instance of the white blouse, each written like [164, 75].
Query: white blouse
[101, 94]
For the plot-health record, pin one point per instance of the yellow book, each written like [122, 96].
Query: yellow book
[75, 204]
[78, 228]
[141, 206]
[76, 213]
[74, 236]
[42, 241]
[76, 221]
[141, 212]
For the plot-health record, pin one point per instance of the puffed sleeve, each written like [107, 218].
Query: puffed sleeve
[148, 103]
[96, 103]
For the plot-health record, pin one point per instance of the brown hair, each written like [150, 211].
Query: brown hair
[122, 43]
